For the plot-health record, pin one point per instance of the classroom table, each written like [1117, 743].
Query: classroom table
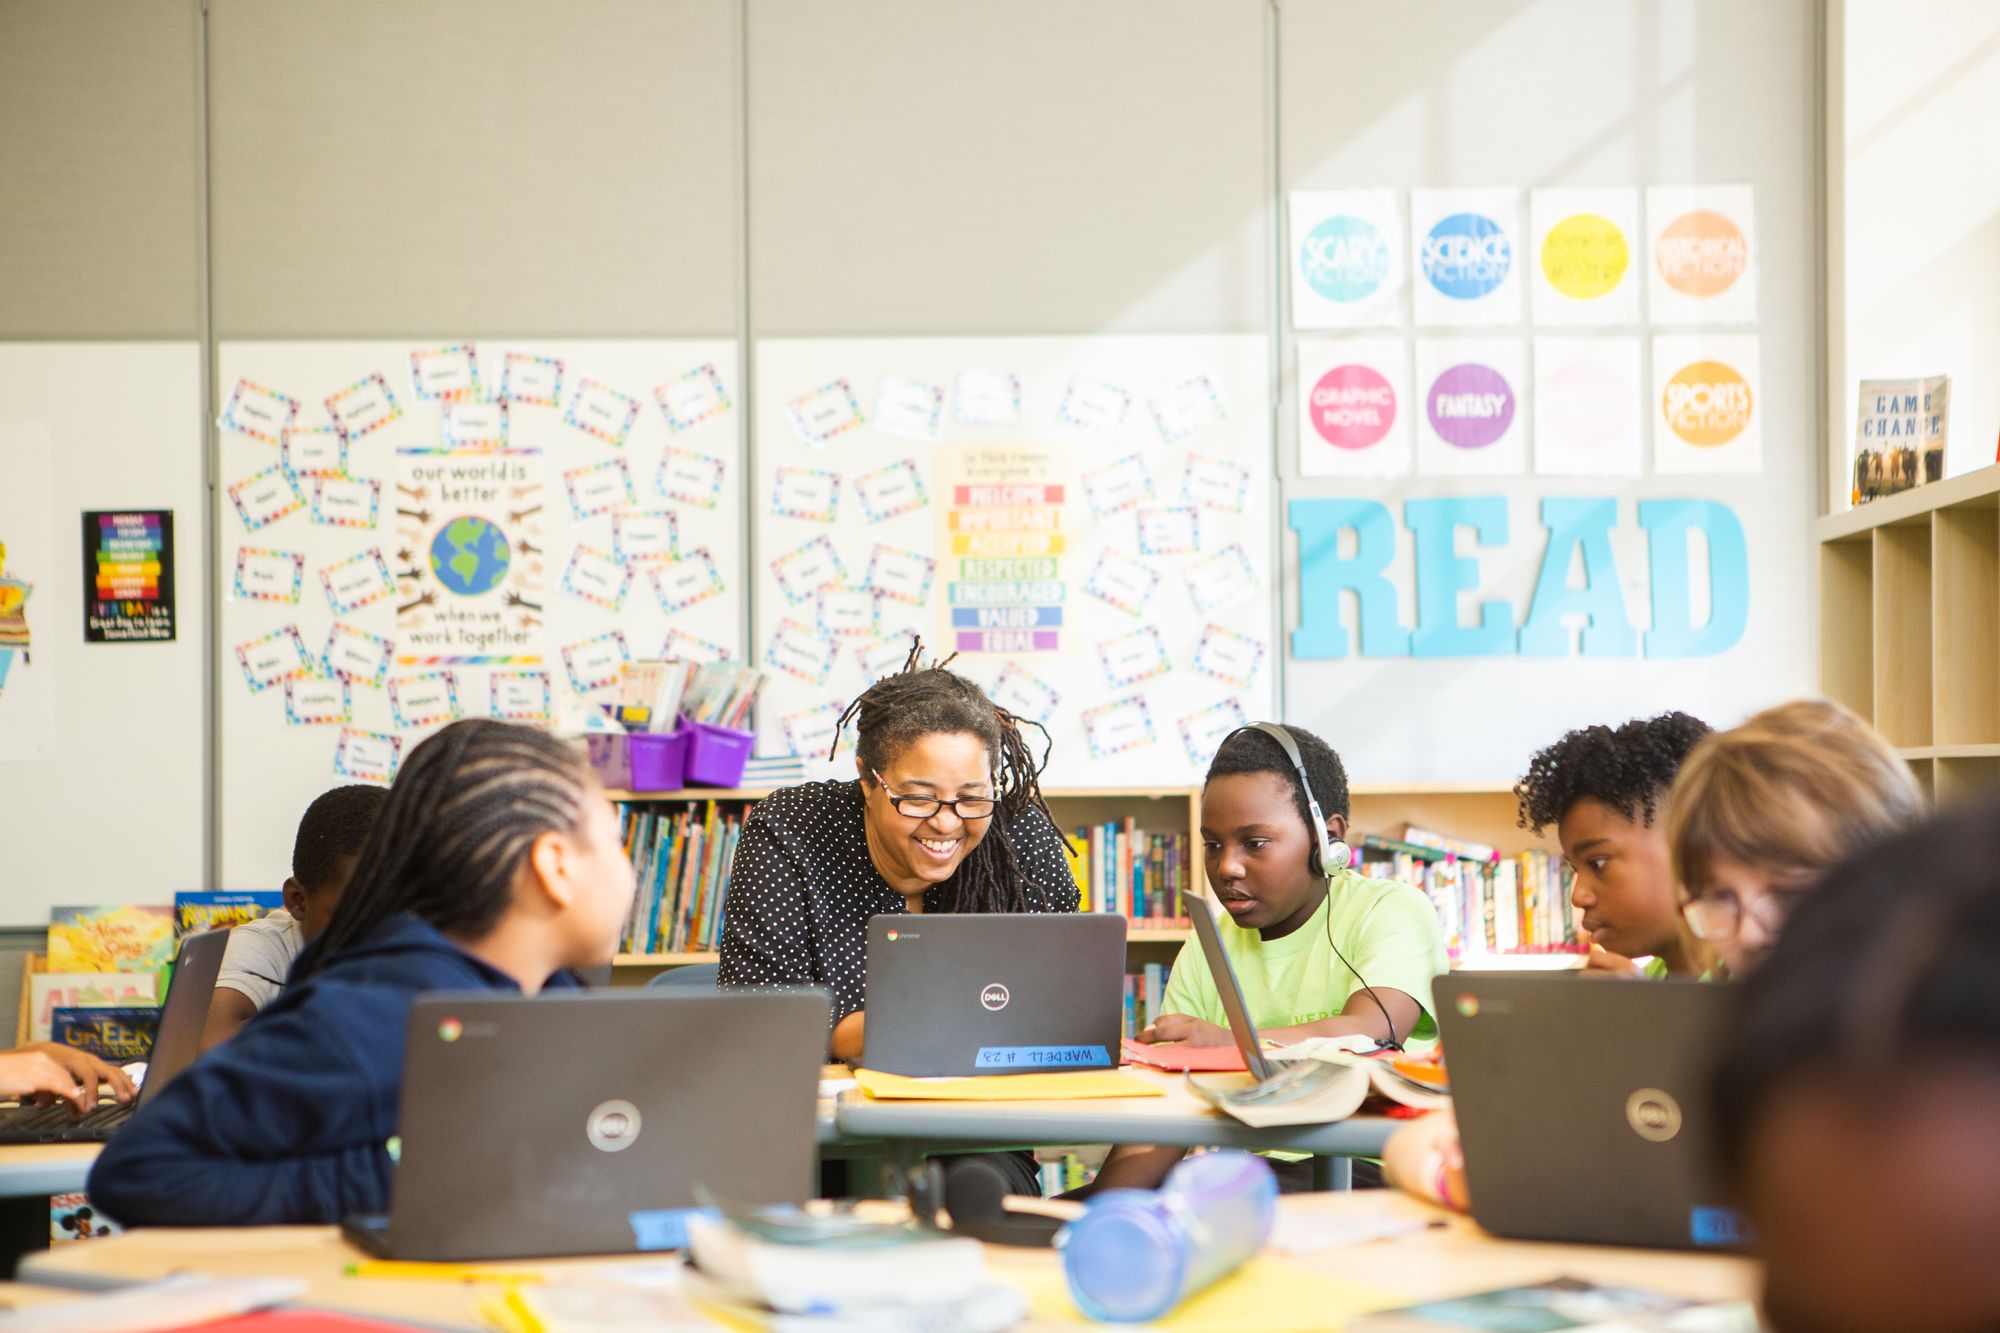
[909, 1129]
[31, 1170]
[1454, 1259]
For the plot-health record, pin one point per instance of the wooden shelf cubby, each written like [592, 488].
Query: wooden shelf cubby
[1478, 812]
[1910, 626]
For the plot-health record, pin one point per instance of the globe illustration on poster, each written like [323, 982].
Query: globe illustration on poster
[470, 556]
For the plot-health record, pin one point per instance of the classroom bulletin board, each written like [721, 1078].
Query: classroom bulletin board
[1084, 522]
[416, 531]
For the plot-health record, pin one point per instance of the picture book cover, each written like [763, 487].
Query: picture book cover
[50, 991]
[71, 1217]
[199, 910]
[118, 1034]
[1899, 435]
[127, 938]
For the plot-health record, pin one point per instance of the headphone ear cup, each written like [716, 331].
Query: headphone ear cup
[1338, 856]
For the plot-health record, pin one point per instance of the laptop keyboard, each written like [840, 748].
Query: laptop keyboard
[57, 1124]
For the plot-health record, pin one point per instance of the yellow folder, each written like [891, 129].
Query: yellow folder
[1078, 1085]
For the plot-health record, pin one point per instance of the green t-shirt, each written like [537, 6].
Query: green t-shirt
[1388, 931]
[1655, 969]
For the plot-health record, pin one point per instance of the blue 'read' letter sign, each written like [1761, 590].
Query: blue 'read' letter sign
[1667, 523]
[1574, 524]
[1442, 574]
[1324, 575]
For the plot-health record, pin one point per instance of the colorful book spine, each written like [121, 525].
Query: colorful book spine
[681, 857]
[1486, 905]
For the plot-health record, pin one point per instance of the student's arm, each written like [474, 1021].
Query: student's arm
[1136, 1166]
[1360, 1017]
[280, 1125]
[255, 962]
[1424, 1158]
[228, 1011]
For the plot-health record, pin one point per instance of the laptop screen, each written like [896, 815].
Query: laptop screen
[186, 1010]
[1226, 986]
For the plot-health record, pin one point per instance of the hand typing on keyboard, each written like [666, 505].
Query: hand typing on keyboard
[48, 1072]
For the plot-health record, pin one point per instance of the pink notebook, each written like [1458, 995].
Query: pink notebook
[1185, 1059]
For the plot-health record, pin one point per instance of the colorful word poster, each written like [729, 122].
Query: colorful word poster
[1467, 245]
[1347, 259]
[470, 523]
[1703, 267]
[1586, 249]
[1705, 392]
[128, 576]
[1589, 407]
[1473, 420]
[1354, 407]
[1002, 530]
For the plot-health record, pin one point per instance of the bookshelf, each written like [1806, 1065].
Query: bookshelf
[1474, 812]
[1910, 626]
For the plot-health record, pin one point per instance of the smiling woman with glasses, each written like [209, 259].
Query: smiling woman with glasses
[945, 815]
[1759, 812]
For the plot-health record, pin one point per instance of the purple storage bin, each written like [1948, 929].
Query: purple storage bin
[659, 761]
[716, 755]
[610, 759]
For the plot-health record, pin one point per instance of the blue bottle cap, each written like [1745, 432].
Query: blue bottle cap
[1124, 1259]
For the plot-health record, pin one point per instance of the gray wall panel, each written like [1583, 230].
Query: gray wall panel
[99, 169]
[960, 167]
[397, 166]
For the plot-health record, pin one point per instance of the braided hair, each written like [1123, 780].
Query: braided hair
[460, 819]
[1629, 768]
[919, 701]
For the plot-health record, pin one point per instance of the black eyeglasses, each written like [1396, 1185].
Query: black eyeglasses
[923, 807]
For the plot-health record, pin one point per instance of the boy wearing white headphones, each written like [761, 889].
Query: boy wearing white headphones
[1319, 949]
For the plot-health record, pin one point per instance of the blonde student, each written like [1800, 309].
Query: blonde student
[1858, 1088]
[1318, 948]
[1757, 816]
[495, 865]
[1761, 811]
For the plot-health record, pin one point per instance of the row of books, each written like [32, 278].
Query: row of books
[1486, 903]
[1063, 1172]
[1138, 875]
[1145, 992]
[108, 967]
[681, 856]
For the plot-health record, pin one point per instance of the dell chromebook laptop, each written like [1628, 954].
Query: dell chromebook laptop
[1001, 993]
[1583, 1107]
[583, 1122]
[175, 1046]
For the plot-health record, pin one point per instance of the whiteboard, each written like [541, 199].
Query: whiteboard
[1084, 520]
[107, 804]
[522, 555]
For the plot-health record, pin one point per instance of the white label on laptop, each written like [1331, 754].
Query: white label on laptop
[1042, 1057]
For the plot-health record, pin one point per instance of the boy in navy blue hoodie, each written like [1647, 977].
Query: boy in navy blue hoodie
[495, 864]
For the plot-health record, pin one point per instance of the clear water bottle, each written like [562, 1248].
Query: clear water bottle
[1136, 1254]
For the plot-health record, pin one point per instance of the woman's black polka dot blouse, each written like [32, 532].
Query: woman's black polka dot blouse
[802, 887]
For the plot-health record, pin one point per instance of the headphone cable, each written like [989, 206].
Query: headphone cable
[1392, 1043]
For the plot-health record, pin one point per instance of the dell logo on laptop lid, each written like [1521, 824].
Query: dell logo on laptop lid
[613, 1126]
[995, 996]
[1654, 1115]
